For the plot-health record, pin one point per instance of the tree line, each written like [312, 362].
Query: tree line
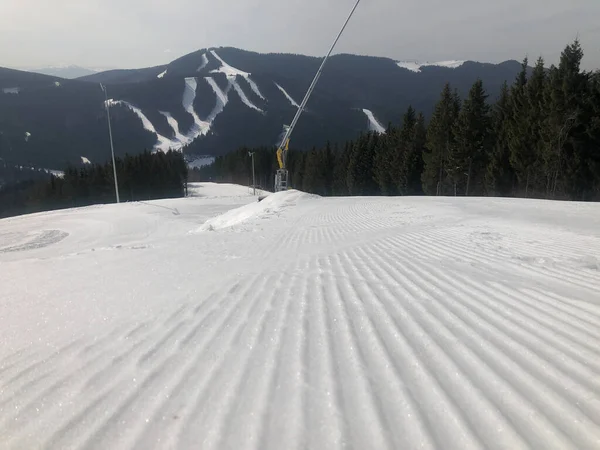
[140, 177]
[539, 139]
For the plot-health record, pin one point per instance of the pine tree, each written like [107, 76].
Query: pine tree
[408, 159]
[522, 155]
[500, 176]
[564, 97]
[470, 153]
[340, 170]
[414, 160]
[361, 179]
[439, 142]
[311, 180]
[382, 170]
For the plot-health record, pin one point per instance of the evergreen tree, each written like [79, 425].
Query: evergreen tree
[522, 154]
[414, 160]
[564, 97]
[360, 178]
[500, 176]
[340, 170]
[383, 162]
[407, 162]
[440, 139]
[470, 153]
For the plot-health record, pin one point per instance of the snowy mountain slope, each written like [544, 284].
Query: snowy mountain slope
[257, 94]
[306, 323]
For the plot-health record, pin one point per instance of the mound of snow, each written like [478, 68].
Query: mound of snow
[272, 205]
[218, 190]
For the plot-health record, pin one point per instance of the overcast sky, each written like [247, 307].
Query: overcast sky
[139, 33]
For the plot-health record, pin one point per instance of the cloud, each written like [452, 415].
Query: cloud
[135, 33]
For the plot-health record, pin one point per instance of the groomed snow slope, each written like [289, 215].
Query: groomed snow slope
[367, 323]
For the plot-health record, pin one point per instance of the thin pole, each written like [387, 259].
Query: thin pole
[313, 84]
[253, 177]
[112, 149]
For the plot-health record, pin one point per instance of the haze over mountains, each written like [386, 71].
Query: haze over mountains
[65, 71]
[215, 100]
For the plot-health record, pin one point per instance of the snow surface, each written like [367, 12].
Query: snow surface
[243, 96]
[288, 96]
[199, 127]
[302, 322]
[180, 138]
[162, 74]
[232, 73]
[11, 90]
[374, 124]
[163, 143]
[84, 160]
[416, 67]
[204, 62]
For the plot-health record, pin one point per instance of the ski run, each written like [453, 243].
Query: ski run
[299, 322]
[374, 124]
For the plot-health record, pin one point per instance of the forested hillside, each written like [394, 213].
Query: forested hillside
[216, 100]
[140, 177]
[540, 137]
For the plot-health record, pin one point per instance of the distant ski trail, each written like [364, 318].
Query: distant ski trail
[203, 64]
[232, 73]
[374, 124]
[243, 96]
[288, 96]
[163, 143]
[303, 322]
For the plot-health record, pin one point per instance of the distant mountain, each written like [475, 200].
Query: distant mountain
[215, 100]
[68, 72]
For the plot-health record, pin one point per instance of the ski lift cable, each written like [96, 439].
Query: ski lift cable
[282, 150]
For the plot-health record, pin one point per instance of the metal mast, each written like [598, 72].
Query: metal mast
[112, 148]
[281, 177]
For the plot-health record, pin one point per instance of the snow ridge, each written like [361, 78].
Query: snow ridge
[288, 96]
[374, 124]
[414, 66]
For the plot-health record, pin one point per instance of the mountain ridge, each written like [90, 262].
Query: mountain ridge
[215, 100]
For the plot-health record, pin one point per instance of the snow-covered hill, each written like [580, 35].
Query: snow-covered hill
[302, 322]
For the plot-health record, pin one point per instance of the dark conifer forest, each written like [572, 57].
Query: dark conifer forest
[540, 139]
[145, 176]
